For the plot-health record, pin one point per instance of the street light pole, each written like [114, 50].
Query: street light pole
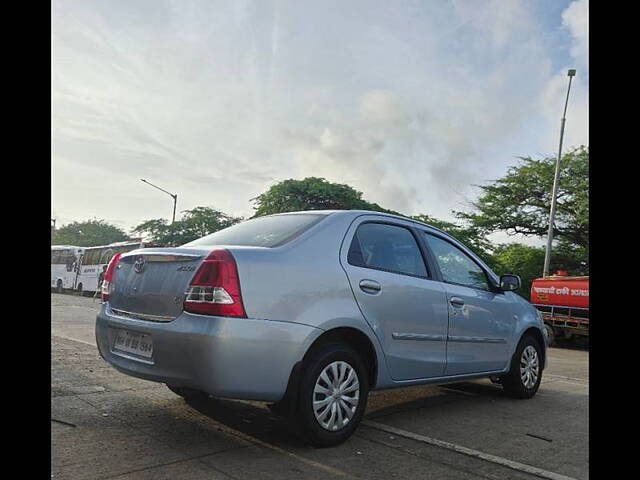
[172, 195]
[552, 214]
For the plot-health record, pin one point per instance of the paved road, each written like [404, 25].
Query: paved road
[108, 425]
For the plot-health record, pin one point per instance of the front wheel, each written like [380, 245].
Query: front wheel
[525, 375]
[332, 396]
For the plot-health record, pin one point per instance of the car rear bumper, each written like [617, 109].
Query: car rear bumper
[226, 357]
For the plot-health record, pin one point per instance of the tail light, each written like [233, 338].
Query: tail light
[215, 288]
[107, 283]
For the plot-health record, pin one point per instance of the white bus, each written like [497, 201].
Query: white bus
[95, 260]
[65, 262]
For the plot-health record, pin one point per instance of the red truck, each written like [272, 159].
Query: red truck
[564, 303]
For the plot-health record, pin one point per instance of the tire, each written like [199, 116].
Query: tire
[528, 357]
[551, 334]
[334, 412]
[59, 288]
[186, 393]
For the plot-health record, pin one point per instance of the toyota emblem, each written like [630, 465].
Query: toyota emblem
[138, 266]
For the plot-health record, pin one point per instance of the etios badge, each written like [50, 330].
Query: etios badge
[138, 266]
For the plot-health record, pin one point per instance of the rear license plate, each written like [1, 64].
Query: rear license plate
[133, 342]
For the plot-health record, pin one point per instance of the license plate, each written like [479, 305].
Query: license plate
[133, 342]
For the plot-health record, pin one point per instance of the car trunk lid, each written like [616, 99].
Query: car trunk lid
[149, 284]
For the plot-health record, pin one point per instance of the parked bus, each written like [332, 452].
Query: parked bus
[65, 262]
[95, 259]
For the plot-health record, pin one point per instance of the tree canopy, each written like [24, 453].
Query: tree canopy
[89, 233]
[311, 193]
[519, 202]
[195, 223]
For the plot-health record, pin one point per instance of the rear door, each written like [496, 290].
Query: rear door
[480, 319]
[393, 287]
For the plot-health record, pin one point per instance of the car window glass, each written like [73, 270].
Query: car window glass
[386, 247]
[455, 265]
[268, 231]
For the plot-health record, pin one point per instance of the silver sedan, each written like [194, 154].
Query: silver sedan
[312, 310]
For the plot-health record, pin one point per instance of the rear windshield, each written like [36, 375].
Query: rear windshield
[270, 231]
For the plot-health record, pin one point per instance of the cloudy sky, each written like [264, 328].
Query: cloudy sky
[410, 102]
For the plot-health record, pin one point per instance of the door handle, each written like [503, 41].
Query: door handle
[370, 286]
[456, 301]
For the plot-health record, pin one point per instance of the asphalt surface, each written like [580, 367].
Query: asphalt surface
[107, 425]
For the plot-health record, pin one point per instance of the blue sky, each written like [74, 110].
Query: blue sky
[410, 102]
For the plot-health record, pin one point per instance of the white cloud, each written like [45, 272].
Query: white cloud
[216, 101]
[576, 19]
[553, 95]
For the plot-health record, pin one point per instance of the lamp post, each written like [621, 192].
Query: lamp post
[172, 195]
[552, 214]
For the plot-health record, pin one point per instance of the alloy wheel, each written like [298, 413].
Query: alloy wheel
[529, 366]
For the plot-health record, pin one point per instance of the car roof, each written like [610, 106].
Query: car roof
[357, 213]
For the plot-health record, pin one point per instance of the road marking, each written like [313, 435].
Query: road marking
[521, 467]
[73, 339]
[578, 380]
[255, 441]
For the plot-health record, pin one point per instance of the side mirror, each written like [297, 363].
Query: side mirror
[509, 282]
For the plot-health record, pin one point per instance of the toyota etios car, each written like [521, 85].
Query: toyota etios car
[312, 310]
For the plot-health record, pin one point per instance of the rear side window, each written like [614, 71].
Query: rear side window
[455, 265]
[271, 231]
[386, 247]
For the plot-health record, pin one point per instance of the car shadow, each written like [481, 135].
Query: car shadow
[256, 420]
[250, 418]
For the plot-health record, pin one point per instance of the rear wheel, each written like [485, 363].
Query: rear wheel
[332, 396]
[523, 380]
[186, 393]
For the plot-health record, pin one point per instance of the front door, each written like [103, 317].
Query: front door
[404, 306]
[480, 319]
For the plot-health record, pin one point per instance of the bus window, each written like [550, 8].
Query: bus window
[106, 256]
[90, 257]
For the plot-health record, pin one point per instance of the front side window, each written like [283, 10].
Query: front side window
[455, 265]
[386, 247]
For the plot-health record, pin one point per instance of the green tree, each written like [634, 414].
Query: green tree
[519, 203]
[89, 233]
[311, 193]
[519, 259]
[195, 223]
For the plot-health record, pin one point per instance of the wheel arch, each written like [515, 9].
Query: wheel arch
[354, 338]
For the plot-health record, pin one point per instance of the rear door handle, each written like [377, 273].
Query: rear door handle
[456, 301]
[370, 286]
